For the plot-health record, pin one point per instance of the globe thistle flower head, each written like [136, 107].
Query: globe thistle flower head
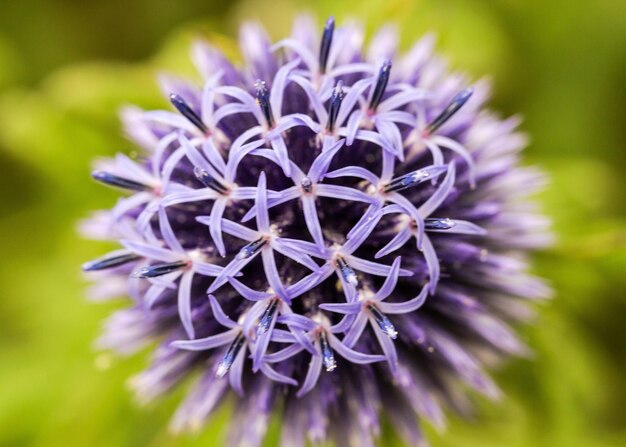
[331, 234]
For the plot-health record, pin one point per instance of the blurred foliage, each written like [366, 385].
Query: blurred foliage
[67, 66]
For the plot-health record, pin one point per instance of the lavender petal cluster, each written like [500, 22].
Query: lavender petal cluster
[333, 234]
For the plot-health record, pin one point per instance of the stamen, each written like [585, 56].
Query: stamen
[209, 181]
[263, 100]
[251, 249]
[307, 184]
[119, 182]
[153, 271]
[327, 38]
[229, 358]
[110, 261]
[407, 180]
[457, 102]
[438, 224]
[347, 272]
[381, 85]
[266, 319]
[383, 322]
[335, 104]
[186, 111]
[327, 354]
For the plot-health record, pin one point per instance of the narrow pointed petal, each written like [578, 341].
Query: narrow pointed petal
[407, 306]
[167, 233]
[276, 376]
[343, 193]
[207, 269]
[203, 344]
[247, 292]
[286, 195]
[398, 241]
[312, 375]
[312, 220]
[219, 314]
[390, 282]
[374, 268]
[284, 354]
[351, 355]
[232, 228]
[215, 227]
[235, 375]
[437, 198]
[342, 308]
[271, 272]
[357, 328]
[388, 347]
[294, 254]
[184, 303]
[432, 261]
[463, 152]
[354, 171]
[262, 218]
[323, 160]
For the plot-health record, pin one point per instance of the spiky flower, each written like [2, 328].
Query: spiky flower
[330, 234]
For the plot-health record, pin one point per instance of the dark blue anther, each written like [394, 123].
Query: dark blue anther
[328, 356]
[457, 102]
[407, 180]
[347, 272]
[152, 271]
[251, 249]
[209, 181]
[327, 39]
[266, 319]
[109, 261]
[381, 85]
[186, 110]
[383, 322]
[263, 100]
[335, 104]
[119, 182]
[229, 358]
[438, 224]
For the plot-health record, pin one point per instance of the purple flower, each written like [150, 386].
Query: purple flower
[333, 234]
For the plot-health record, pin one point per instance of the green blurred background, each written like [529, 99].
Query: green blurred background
[66, 66]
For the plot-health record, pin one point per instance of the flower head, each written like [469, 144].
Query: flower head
[329, 233]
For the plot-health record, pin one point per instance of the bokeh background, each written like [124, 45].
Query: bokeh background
[66, 66]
